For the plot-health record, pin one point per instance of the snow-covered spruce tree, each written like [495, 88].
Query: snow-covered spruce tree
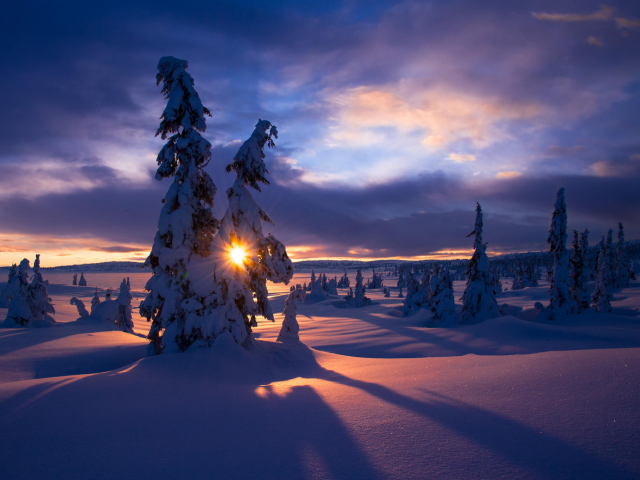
[124, 321]
[443, 306]
[75, 279]
[561, 301]
[19, 311]
[578, 271]
[38, 297]
[240, 291]
[622, 262]
[359, 299]
[603, 292]
[344, 281]
[82, 282]
[414, 298]
[186, 225]
[290, 327]
[479, 299]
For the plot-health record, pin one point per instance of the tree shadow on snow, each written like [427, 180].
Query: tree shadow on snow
[180, 424]
[543, 455]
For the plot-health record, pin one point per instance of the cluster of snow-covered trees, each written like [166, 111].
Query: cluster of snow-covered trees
[27, 298]
[116, 312]
[209, 276]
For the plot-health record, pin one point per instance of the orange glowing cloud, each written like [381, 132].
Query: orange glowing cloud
[445, 114]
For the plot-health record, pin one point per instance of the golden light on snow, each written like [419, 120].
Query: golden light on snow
[238, 253]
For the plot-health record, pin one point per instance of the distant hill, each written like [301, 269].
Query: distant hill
[101, 267]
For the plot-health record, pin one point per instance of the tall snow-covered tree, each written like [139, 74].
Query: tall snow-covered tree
[603, 291]
[479, 299]
[579, 273]
[241, 284]
[622, 262]
[186, 225]
[561, 301]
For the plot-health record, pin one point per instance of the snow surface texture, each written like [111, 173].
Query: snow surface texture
[377, 395]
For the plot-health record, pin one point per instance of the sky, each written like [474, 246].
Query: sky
[394, 119]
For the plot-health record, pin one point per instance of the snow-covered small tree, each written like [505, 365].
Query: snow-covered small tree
[75, 279]
[186, 225]
[82, 282]
[359, 299]
[38, 297]
[443, 306]
[479, 299]
[316, 294]
[312, 280]
[414, 299]
[603, 292]
[19, 311]
[95, 299]
[561, 301]
[124, 321]
[344, 281]
[82, 310]
[332, 287]
[434, 280]
[622, 261]
[290, 326]
[578, 272]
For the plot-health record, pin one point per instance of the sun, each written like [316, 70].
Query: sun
[238, 253]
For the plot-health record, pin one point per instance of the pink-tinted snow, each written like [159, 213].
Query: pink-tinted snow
[372, 395]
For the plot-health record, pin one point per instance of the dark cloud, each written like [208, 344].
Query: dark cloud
[415, 217]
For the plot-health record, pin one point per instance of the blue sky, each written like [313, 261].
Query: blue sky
[394, 119]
